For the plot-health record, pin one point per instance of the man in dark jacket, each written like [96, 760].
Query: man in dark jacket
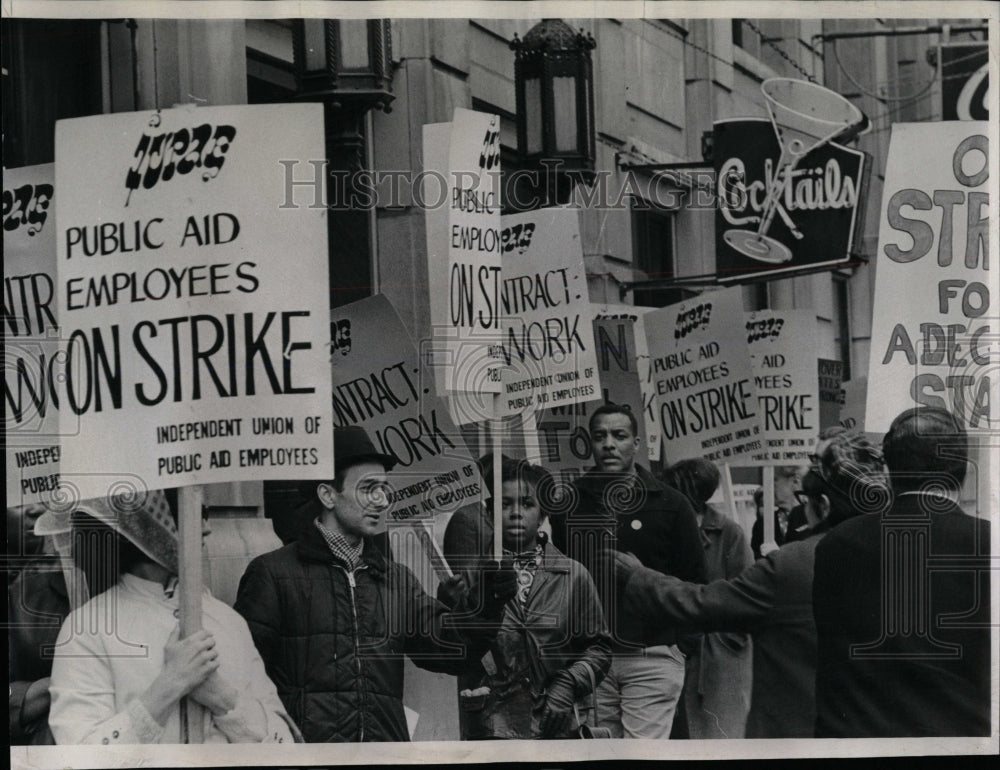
[772, 598]
[333, 618]
[902, 600]
[620, 505]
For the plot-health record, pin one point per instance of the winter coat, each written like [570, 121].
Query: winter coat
[36, 606]
[902, 603]
[651, 521]
[771, 599]
[560, 626]
[333, 640]
[720, 671]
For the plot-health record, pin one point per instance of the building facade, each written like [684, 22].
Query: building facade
[659, 85]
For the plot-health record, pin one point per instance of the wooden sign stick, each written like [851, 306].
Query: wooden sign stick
[190, 586]
[769, 543]
[495, 428]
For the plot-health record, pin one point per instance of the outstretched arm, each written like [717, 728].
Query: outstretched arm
[723, 605]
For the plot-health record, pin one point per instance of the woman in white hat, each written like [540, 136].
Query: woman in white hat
[120, 670]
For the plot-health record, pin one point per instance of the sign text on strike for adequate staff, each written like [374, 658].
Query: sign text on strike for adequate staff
[944, 344]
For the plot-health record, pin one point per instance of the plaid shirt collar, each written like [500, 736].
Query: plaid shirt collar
[340, 548]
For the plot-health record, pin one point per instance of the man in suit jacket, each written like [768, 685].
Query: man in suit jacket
[902, 600]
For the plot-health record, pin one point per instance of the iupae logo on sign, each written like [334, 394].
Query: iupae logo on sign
[160, 157]
[817, 206]
[26, 206]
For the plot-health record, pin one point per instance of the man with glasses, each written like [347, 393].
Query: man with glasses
[771, 599]
[333, 617]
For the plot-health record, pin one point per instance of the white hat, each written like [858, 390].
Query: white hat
[143, 518]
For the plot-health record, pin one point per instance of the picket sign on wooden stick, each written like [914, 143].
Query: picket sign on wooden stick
[727, 493]
[769, 543]
[190, 587]
[495, 428]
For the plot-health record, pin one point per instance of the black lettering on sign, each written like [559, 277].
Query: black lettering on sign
[489, 158]
[758, 330]
[689, 321]
[160, 157]
[517, 237]
[341, 333]
[27, 205]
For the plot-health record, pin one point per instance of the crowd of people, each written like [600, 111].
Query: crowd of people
[645, 613]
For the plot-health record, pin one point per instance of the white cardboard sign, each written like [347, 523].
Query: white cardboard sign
[705, 399]
[33, 354]
[548, 335]
[195, 313]
[931, 338]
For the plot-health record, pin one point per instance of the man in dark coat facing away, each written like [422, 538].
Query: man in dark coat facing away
[902, 600]
[333, 618]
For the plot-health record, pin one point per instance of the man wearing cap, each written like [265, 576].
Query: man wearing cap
[902, 600]
[333, 618]
[120, 668]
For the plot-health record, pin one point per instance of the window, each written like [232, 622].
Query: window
[653, 255]
[270, 80]
[738, 32]
[51, 71]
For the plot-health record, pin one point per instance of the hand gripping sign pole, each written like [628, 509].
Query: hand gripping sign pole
[189, 528]
[805, 116]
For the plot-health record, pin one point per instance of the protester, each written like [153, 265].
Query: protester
[798, 527]
[621, 505]
[772, 599]
[37, 604]
[553, 647]
[904, 648]
[718, 672]
[120, 668]
[333, 618]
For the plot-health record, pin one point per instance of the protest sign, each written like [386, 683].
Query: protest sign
[744, 510]
[193, 312]
[563, 431]
[33, 354]
[705, 399]
[378, 383]
[466, 317]
[931, 339]
[784, 372]
[831, 391]
[548, 335]
[623, 360]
